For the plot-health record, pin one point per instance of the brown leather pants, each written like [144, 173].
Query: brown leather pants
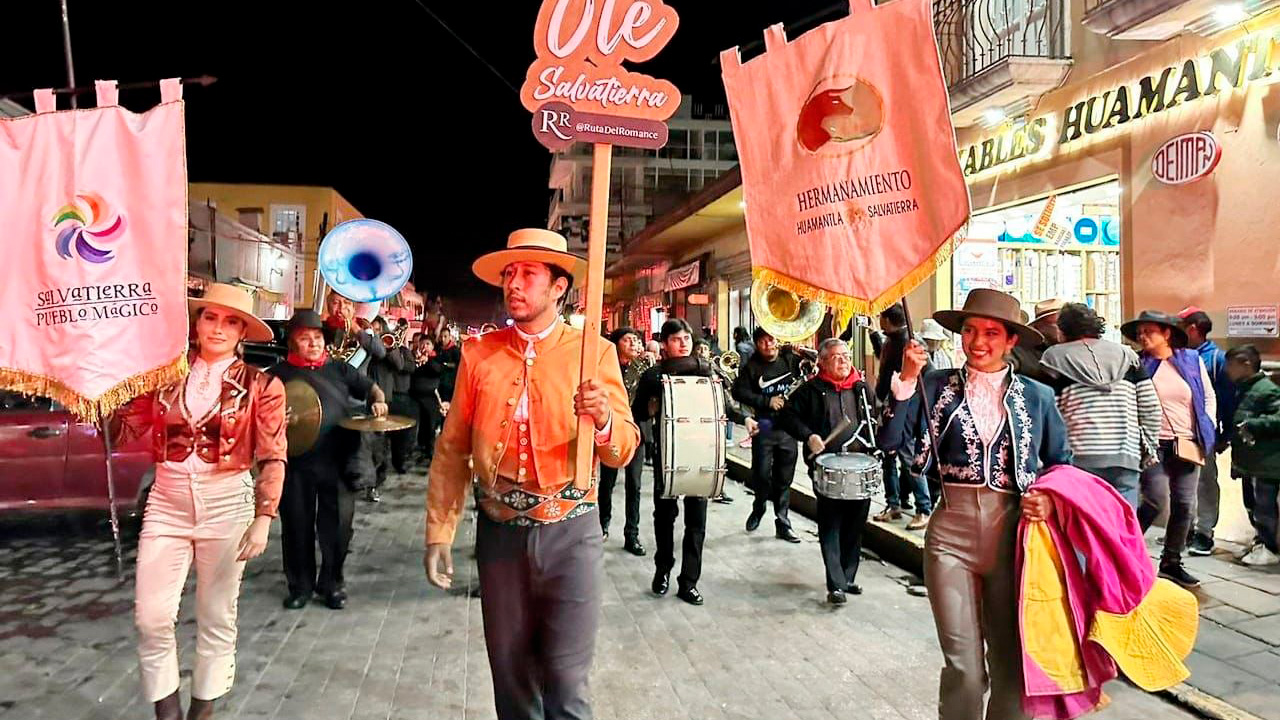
[969, 570]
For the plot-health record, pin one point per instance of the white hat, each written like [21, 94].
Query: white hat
[931, 330]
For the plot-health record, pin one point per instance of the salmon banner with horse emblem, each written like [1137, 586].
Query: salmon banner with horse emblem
[850, 173]
[93, 290]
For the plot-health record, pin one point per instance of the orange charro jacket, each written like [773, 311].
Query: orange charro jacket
[479, 429]
[246, 433]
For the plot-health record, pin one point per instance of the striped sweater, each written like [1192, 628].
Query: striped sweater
[1108, 402]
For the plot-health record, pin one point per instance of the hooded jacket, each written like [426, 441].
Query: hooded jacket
[1108, 402]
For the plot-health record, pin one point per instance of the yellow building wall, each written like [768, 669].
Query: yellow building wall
[317, 200]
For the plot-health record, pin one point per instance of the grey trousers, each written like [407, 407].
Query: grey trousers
[969, 553]
[1172, 485]
[540, 600]
[1207, 497]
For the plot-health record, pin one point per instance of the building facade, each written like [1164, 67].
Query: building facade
[295, 214]
[644, 183]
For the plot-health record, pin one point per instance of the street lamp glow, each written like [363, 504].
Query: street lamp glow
[994, 116]
[1230, 13]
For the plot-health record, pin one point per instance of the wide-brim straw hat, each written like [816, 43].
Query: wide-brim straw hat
[530, 245]
[1178, 338]
[931, 330]
[237, 302]
[1045, 308]
[993, 305]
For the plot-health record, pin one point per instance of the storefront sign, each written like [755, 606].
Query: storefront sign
[1018, 143]
[1253, 321]
[975, 264]
[682, 277]
[1252, 59]
[1186, 158]
[577, 89]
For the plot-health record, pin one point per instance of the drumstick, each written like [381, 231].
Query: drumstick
[835, 433]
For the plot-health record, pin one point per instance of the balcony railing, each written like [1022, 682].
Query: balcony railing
[977, 35]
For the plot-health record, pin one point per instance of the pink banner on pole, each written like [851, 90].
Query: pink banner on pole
[93, 305]
[850, 174]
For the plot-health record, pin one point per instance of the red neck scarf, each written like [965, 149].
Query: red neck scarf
[296, 360]
[335, 321]
[845, 384]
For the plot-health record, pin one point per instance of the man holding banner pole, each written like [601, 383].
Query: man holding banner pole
[513, 425]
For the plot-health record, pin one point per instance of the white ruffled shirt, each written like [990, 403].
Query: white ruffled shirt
[530, 351]
[202, 394]
[983, 393]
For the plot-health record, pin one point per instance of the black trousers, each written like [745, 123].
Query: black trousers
[315, 505]
[631, 479]
[429, 419]
[840, 525]
[773, 466]
[540, 600]
[402, 441]
[665, 513]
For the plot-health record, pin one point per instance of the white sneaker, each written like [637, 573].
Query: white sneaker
[1253, 545]
[1260, 556]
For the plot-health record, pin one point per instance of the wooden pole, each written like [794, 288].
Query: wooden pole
[601, 170]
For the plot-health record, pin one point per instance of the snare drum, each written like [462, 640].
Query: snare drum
[847, 476]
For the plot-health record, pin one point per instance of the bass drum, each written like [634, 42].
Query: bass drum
[691, 437]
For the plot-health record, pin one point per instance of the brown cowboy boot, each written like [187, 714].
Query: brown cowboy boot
[169, 708]
[200, 710]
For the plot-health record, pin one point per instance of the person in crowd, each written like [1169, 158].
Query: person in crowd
[812, 417]
[1187, 437]
[936, 341]
[633, 361]
[1026, 358]
[424, 388]
[678, 360]
[1255, 449]
[994, 433]
[1197, 325]
[900, 479]
[218, 440]
[762, 386]
[742, 344]
[1107, 399]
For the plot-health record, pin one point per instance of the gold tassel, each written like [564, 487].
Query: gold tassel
[845, 307]
[94, 410]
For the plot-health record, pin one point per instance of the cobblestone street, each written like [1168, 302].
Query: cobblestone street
[764, 646]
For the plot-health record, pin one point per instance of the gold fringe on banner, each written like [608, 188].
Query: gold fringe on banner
[844, 307]
[94, 410]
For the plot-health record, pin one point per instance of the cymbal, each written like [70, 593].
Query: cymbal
[386, 423]
[304, 416]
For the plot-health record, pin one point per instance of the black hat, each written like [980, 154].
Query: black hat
[304, 320]
[1178, 337]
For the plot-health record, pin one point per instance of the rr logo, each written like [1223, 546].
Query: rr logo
[553, 120]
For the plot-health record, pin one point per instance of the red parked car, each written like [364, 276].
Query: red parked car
[49, 460]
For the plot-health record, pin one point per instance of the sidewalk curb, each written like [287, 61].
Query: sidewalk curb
[901, 548]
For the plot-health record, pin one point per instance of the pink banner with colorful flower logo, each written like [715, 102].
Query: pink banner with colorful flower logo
[850, 174]
[93, 305]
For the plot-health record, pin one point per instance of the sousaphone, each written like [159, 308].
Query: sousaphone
[783, 314]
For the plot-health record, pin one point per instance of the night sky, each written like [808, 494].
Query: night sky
[378, 101]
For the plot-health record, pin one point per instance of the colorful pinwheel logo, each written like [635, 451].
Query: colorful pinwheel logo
[88, 227]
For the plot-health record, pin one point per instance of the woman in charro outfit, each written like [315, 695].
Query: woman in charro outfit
[209, 431]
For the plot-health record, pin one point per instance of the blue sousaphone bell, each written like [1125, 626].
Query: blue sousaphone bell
[365, 260]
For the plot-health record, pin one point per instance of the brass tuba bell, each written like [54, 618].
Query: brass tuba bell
[783, 314]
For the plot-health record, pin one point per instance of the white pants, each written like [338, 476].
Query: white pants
[201, 518]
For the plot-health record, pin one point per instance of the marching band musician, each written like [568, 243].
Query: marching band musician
[762, 385]
[386, 373]
[209, 430]
[813, 413]
[631, 357]
[424, 387]
[994, 433]
[318, 504]
[513, 427]
[351, 338]
[676, 337]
